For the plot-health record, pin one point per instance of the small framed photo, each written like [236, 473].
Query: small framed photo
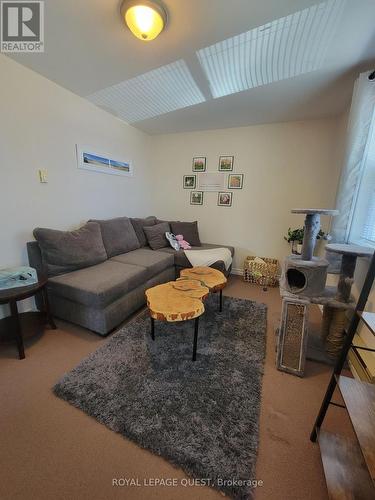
[224, 199]
[190, 181]
[235, 181]
[199, 164]
[226, 163]
[196, 198]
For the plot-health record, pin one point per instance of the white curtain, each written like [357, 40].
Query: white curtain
[359, 126]
[368, 232]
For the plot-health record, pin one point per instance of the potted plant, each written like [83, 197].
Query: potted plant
[295, 238]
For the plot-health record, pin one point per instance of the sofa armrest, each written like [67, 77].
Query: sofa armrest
[35, 257]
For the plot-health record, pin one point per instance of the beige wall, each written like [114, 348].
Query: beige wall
[40, 125]
[286, 165]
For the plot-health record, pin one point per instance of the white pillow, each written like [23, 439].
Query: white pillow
[258, 260]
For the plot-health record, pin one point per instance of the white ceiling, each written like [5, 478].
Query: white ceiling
[186, 78]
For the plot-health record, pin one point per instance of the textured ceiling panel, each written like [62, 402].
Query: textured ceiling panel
[281, 49]
[154, 93]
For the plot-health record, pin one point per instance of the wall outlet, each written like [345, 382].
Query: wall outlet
[43, 175]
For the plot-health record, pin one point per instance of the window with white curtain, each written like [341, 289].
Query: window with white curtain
[362, 229]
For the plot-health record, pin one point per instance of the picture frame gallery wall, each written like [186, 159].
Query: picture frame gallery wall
[222, 181]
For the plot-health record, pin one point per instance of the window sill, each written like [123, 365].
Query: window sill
[362, 243]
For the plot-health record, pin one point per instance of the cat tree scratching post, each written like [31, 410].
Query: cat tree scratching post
[303, 280]
[312, 227]
[335, 320]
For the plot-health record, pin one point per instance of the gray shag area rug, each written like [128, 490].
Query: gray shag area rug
[202, 416]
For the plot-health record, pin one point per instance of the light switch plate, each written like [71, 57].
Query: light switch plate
[43, 175]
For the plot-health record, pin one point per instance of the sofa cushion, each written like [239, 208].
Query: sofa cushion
[99, 285]
[118, 235]
[139, 224]
[156, 235]
[65, 251]
[180, 258]
[189, 230]
[154, 261]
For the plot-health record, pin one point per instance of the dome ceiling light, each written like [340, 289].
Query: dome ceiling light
[146, 19]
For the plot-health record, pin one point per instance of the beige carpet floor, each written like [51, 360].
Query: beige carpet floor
[50, 450]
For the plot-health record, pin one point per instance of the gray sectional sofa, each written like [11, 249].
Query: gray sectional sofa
[98, 274]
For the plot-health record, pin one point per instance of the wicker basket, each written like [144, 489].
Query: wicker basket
[261, 274]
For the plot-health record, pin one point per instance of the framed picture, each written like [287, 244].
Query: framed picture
[224, 199]
[190, 181]
[226, 163]
[211, 181]
[199, 164]
[235, 181]
[196, 198]
[89, 159]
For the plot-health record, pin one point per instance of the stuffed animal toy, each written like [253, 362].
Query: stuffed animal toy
[183, 244]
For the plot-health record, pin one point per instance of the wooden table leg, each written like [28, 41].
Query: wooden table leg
[152, 328]
[196, 327]
[47, 309]
[18, 332]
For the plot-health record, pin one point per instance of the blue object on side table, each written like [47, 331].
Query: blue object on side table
[14, 277]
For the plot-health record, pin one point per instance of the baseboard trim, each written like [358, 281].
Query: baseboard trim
[237, 272]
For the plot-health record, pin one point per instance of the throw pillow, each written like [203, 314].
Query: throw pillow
[156, 235]
[65, 251]
[139, 224]
[189, 230]
[118, 236]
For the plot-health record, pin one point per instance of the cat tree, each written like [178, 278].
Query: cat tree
[303, 279]
[303, 282]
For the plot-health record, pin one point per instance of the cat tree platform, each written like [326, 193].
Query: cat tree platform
[327, 298]
[349, 253]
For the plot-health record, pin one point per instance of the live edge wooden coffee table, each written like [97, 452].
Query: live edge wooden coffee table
[213, 279]
[180, 300]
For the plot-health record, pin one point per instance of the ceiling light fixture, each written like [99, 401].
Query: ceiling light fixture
[146, 19]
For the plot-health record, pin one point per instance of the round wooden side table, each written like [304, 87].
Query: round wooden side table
[212, 278]
[177, 301]
[10, 327]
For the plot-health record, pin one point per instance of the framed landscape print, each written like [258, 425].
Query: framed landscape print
[199, 164]
[235, 181]
[190, 181]
[196, 198]
[90, 159]
[226, 163]
[224, 199]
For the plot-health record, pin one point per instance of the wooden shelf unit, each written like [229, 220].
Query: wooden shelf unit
[346, 474]
[359, 399]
